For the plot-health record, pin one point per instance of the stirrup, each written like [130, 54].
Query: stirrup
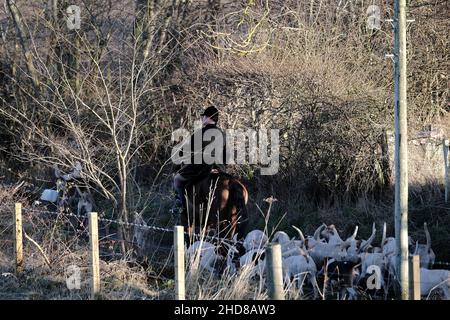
[176, 211]
[177, 208]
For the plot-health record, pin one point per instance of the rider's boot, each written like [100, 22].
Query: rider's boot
[177, 207]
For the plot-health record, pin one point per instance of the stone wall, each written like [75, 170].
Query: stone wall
[425, 158]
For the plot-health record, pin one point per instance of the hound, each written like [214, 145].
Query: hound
[434, 279]
[298, 268]
[255, 239]
[426, 254]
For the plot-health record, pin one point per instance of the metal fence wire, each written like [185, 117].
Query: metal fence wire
[107, 238]
[135, 225]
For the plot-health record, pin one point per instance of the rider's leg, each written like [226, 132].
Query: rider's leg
[179, 182]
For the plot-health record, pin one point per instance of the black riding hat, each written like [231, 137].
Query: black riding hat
[212, 113]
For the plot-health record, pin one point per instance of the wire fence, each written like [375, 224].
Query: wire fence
[112, 239]
[138, 226]
[109, 238]
[156, 228]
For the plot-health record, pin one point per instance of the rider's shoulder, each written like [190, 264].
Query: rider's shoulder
[211, 126]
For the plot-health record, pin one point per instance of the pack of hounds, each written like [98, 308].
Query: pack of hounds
[350, 267]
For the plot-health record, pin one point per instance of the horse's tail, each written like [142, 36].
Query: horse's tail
[238, 198]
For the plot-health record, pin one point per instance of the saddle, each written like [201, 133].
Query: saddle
[210, 174]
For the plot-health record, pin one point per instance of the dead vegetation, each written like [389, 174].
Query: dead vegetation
[111, 94]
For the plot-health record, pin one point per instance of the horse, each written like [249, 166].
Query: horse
[216, 204]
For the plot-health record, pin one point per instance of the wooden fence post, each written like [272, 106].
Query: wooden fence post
[414, 277]
[18, 241]
[275, 272]
[446, 169]
[178, 239]
[95, 257]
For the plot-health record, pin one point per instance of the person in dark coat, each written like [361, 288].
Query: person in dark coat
[201, 163]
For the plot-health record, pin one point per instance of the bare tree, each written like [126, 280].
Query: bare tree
[96, 120]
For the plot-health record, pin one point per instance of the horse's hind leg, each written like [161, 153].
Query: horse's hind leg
[237, 212]
[238, 209]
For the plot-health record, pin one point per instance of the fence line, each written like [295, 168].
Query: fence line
[274, 267]
[179, 263]
[107, 238]
[156, 228]
[136, 225]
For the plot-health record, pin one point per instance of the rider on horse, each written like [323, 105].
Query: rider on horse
[198, 167]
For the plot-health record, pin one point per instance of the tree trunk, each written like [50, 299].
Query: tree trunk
[143, 28]
[23, 41]
[123, 210]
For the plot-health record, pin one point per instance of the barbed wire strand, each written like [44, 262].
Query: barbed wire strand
[156, 228]
[161, 229]
[132, 224]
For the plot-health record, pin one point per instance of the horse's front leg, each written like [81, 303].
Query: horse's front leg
[190, 230]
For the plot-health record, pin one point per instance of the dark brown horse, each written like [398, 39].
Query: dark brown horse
[217, 203]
